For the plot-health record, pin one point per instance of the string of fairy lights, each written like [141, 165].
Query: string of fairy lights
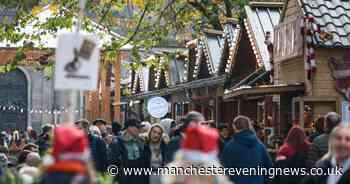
[19, 109]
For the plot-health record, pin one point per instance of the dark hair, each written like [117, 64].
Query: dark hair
[319, 125]
[116, 127]
[99, 121]
[132, 122]
[222, 126]
[242, 123]
[192, 116]
[30, 146]
[46, 128]
[332, 119]
[33, 134]
[22, 156]
[83, 123]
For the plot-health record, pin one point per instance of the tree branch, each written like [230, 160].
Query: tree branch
[137, 27]
[104, 15]
[213, 18]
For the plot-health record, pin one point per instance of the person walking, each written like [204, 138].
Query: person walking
[101, 124]
[319, 128]
[338, 156]
[127, 151]
[44, 139]
[224, 137]
[245, 150]
[292, 154]
[156, 151]
[97, 146]
[319, 145]
[192, 117]
[198, 151]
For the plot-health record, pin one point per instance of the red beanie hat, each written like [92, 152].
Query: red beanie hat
[200, 143]
[70, 143]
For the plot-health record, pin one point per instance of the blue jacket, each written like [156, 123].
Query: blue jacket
[245, 150]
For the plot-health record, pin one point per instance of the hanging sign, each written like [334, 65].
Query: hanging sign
[77, 57]
[157, 107]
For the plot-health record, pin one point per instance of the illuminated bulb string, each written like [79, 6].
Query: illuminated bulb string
[14, 109]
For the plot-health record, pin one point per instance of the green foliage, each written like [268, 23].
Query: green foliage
[152, 22]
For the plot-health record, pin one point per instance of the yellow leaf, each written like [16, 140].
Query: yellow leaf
[53, 8]
[36, 10]
[105, 1]
[139, 3]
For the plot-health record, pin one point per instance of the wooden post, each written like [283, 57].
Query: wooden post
[95, 105]
[117, 91]
[106, 92]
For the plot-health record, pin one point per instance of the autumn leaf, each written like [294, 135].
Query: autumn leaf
[139, 3]
[53, 8]
[36, 10]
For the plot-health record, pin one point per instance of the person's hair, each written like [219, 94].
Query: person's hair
[222, 126]
[116, 128]
[46, 128]
[30, 146]
[332, 135]
[22, 156]
[192, 116]
[296, 138]
[85, 124]
[33, 135]
[155, 126]
[242, 123]
[99, 120]
[332, 119]
[319, 125]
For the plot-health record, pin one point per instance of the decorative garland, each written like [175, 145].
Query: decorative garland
[309, 29]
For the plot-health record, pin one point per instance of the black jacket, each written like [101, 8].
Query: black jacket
[325, 165]
[118, 156]
[164, 152]
[99, 153]
[297, 161]
[174, 146]
[148, 156]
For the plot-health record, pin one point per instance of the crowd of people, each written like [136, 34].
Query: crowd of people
[81, 153]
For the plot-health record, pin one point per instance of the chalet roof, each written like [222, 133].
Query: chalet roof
[333, 17]
[212, 81]
[231, 38]
[141, 78]
[261, 19]
[176, 71]
[209, 48]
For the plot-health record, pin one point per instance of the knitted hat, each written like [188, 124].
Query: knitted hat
[200, 143]
[70, 143]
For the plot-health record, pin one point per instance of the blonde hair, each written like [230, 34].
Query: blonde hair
[331, 149]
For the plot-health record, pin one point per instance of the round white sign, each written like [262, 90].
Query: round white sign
[157, 107]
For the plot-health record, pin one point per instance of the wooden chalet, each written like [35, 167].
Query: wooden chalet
[250, 88]
[303, 55]
[318, 57]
